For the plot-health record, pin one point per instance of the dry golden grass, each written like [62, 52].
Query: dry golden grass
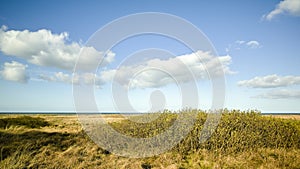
[63, 144]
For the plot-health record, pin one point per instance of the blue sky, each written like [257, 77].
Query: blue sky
[258, 41]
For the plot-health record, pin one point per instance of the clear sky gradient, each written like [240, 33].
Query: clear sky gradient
[259, 39]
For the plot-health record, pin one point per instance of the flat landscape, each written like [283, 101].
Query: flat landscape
[241, 140]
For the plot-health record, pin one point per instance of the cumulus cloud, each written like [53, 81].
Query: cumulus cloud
[154, 72]
[280, 94]
[14, 71]
[45, 48]
[291, 7]
[270, 81]
[158, 72]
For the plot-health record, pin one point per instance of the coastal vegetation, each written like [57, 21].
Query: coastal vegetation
[242, 139]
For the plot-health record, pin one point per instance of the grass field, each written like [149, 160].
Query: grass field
[241, 140]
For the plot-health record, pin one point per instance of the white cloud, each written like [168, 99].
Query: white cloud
[291, 7]
[241, 44]
[82, 79]
[280, 94]
[44, 48]
[57, 77]
[89, 79]
[62, 77]
[14, 71]
[253, 44]
[270, 81]
[4, 27]
[184, 68]
[154, 72]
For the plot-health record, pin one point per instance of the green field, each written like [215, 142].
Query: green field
[241, 140]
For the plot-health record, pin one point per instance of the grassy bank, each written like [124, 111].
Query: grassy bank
[241, 140]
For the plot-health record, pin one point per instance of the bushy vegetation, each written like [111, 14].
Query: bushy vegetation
[241, 140]
[27, 121]
[244, 131]
[237, 132]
